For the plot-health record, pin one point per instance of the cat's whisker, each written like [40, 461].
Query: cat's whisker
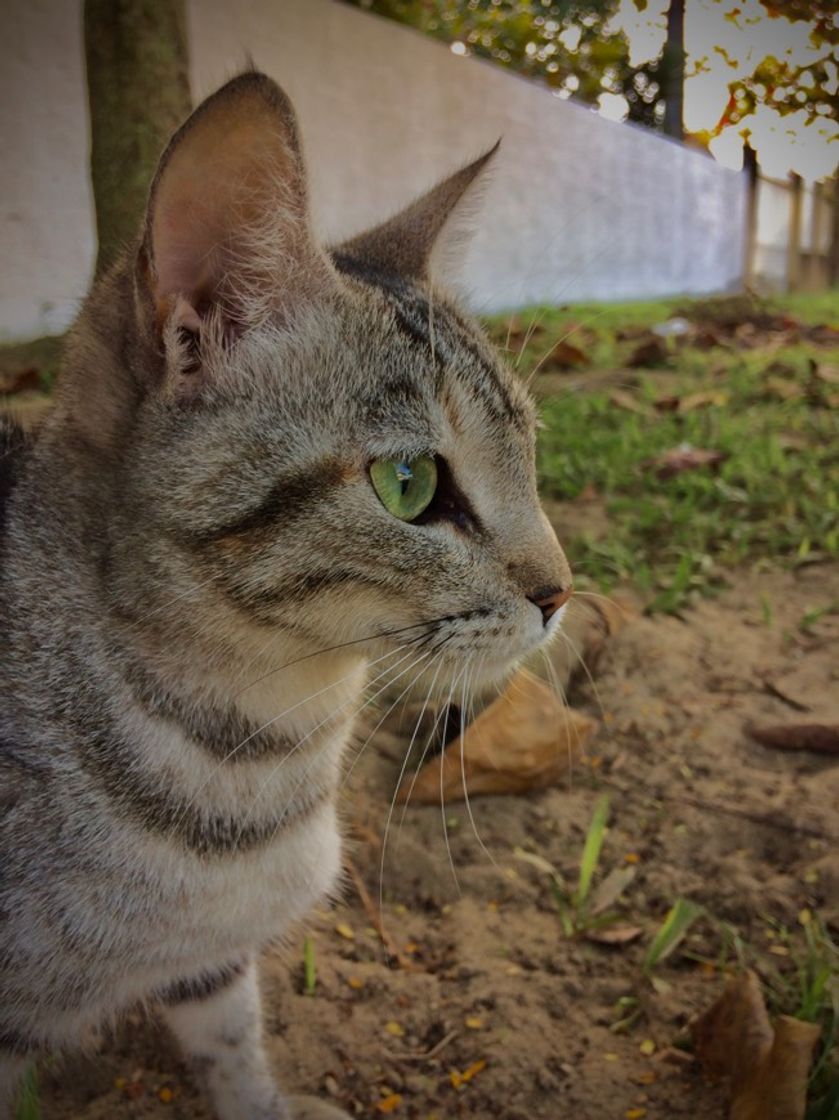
[405, 692]
[582, 662]
[463, 723]
[441, 715]
[191, 590]
[346, 645]
[443, 805]
[309, 769]
[366, 704]
[431, 331]
[555, 682]
[328, 718]
[401, 776]
[597, 595]
[562, 338]
[226, 759]
[534, 323]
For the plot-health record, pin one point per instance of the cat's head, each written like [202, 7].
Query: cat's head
[325, 443]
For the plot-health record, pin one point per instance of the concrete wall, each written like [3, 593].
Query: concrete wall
[47, 243]
[577, 207]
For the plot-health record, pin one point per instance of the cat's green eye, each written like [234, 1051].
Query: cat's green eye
[405, 486]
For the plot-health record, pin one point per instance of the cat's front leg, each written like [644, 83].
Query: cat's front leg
[217, 1018]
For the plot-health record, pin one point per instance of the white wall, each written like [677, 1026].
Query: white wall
[47, 244]
[577, 207]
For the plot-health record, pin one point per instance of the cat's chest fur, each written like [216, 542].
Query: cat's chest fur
[198, 830]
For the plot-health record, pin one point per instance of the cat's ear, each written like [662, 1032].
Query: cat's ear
[227, 237]
[405, 243]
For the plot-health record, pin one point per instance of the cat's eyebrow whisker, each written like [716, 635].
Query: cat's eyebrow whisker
[431, 338]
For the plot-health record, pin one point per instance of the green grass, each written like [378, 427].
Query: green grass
[680, 917]
[774, 498]
[44, 354]
[809, 990]
[586, 907]
[28, 1107]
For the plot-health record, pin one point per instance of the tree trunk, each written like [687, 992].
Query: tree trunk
[674, 59]
[138, 90]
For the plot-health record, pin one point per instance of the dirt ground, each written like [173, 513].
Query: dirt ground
[709, 814]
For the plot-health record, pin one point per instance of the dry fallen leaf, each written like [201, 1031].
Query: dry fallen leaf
[823, 333]
[26, 380]
[651, 352]
[607, 893]
[620, 398]
[716, 398]
[828, 373]
[589, 625]
[821, 738]
[389, 1103]
[784, 388]
[564, 355]
[667, 403]
[768, 1068]
[614, 935]
[526, 739]
[683, 458]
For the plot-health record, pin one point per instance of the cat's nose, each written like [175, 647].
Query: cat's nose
[549, 600]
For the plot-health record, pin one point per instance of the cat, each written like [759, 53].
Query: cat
[274, 475]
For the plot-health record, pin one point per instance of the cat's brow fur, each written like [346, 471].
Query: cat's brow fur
[192, 527]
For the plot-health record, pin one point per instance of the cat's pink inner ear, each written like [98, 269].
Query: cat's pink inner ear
[228, 222]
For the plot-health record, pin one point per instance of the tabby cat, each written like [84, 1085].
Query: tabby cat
[273, 475]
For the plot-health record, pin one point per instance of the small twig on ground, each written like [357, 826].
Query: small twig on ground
[429, 1054]
[375, 917]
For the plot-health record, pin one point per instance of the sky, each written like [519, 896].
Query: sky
[783, 144]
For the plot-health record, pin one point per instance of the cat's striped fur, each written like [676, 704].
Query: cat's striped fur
[193, 526]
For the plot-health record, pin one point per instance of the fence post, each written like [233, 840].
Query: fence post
[794, 240]
[833, 253]
[752, 172]
[816, 279]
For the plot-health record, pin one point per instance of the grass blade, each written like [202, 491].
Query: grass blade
[680, 918]
[28, 1107]
[609, 891]
[591, 851]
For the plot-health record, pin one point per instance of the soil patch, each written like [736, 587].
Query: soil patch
[701, 809]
